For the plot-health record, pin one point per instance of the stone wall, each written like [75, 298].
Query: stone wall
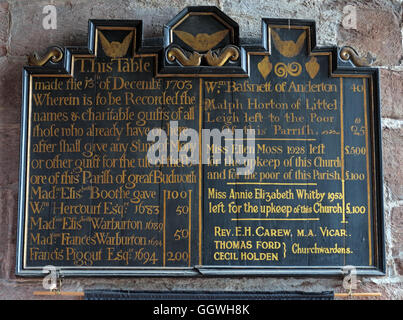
[378, 37]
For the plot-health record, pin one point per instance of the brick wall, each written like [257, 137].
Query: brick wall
[378, 37]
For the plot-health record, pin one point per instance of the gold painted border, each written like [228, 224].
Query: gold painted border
[200, 172]
[190, 228]
[164, 219]
[342, 151]
[157, 75]
[367, 168]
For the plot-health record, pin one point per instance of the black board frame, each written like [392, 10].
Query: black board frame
[338, 66]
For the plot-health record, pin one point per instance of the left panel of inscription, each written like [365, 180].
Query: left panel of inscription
[93, 198]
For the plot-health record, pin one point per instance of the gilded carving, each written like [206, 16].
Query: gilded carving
[55, 54]
[265, 67]
[194, 59]
[282, 70]
[218, 60]
[176, 53]
[115, 49]
[288, 48]
[348, 53]
[202, 41]
[312, 67]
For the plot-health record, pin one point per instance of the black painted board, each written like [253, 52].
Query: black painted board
[91, 202]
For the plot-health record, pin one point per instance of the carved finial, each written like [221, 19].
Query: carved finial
[348, 53]
[54, 53]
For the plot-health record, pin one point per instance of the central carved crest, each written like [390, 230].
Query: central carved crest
[202, 39]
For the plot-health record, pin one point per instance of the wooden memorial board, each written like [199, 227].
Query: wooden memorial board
[91, 203]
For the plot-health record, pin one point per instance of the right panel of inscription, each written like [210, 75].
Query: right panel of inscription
[308, 201]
